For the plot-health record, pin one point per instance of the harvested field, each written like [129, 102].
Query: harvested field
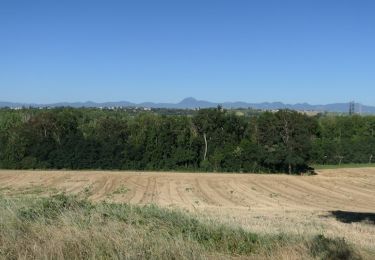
[344, 189]
[335, 202]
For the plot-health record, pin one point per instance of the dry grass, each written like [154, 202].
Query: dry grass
[72, 236]
[303, 224]
[66, 227]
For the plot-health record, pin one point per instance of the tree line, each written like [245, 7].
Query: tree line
[206, 140]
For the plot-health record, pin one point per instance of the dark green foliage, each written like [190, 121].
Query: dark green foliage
[345, 139]
[285, 141]
[332, 249]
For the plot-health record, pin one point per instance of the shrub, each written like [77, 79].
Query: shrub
[332, 249]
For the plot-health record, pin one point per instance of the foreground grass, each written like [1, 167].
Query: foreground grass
[66, 227]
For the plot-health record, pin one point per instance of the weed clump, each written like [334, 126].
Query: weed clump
[51, 207]
[332, 249]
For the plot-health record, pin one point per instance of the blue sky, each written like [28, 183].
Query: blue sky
[315, 51]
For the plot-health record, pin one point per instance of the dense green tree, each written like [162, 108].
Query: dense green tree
[207, 139]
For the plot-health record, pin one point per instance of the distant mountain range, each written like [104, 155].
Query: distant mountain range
[192, 103]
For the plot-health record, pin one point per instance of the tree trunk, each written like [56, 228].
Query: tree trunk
[205, 146]
[290, 168]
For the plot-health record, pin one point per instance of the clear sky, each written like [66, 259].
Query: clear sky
[316, 51]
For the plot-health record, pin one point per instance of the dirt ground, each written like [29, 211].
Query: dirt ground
[335, 202]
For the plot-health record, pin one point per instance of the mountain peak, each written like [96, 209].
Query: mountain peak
[188, 100]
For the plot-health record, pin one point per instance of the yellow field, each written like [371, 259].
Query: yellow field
[261, 203]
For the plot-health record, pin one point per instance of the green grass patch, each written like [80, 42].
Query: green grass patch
[342, 166]
[121, 190]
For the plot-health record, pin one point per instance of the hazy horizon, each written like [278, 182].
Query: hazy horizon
[314, 52]
[178, 101]
[184, 99]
